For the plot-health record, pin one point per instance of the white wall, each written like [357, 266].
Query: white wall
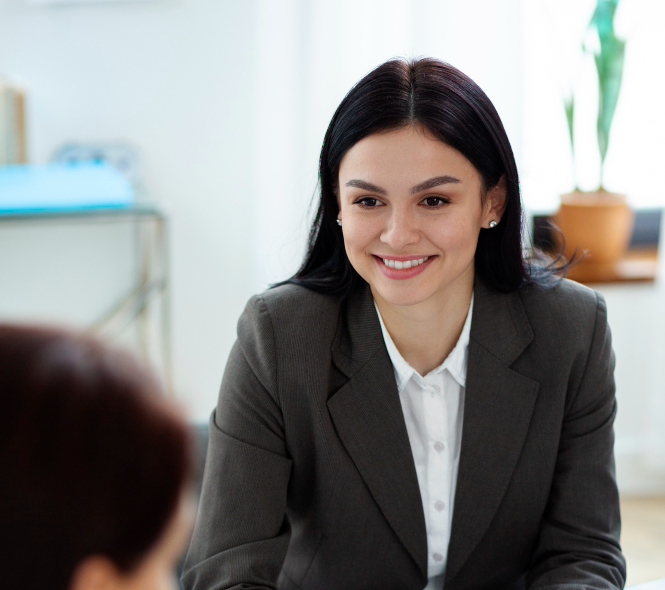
[176, 78]
[638, 338]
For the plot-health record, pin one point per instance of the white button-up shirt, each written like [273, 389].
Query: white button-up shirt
[433, 408]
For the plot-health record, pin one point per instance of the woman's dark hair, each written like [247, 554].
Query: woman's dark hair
[93, 460]
[452, 108]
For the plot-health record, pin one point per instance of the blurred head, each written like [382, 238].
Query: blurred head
[443, 105]
[94, 464]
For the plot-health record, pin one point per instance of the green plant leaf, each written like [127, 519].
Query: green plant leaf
[610, 72]
[569, 106]
[609, 65]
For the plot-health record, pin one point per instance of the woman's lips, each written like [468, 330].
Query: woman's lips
[399, 263]
[395, 267]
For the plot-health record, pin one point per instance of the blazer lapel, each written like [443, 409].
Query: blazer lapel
[368, 417]
[498, 406]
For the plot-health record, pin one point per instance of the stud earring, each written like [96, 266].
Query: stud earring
[339, 222]
[492, 224]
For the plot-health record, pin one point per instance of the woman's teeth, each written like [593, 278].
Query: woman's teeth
[406, 264]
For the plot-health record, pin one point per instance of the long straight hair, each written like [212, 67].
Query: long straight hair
[453, 108]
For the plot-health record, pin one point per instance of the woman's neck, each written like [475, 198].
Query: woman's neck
[425, 334]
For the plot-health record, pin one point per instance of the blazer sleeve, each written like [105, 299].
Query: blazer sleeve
[241, 533]
[578, 546]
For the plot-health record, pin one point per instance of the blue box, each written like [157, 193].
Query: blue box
[62, 187]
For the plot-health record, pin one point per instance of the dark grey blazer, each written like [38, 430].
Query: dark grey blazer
[310, 481]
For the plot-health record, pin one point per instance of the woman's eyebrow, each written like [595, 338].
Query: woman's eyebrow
[367, 186]
[432, 182]
[423, 186]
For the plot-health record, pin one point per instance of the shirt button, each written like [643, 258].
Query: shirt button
[437, 557]
[436, 388]
[438, 446]
[439, 505]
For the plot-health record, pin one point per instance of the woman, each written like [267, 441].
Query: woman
[94, 466]
[419, 406]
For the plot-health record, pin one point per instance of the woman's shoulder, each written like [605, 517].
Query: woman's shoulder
[290, 311]
[285, 329]
[563, 304]
[291, 302]
[560, 291]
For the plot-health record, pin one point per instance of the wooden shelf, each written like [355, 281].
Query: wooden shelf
[638, 265]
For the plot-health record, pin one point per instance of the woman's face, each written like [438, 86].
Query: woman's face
[411, 212]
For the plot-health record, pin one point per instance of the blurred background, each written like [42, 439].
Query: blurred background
[219, 108]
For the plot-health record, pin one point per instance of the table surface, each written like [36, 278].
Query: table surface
[655, 585]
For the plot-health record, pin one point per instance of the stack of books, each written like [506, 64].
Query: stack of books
[12, 124]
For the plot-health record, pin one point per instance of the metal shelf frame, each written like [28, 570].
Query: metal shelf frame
[152, 283]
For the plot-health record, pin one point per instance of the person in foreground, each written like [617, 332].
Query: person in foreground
[421, 405]
[94, 466]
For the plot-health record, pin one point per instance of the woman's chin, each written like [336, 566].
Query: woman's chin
[419, 291]
[400, 296]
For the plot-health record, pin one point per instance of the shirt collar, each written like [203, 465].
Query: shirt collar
[455, 362]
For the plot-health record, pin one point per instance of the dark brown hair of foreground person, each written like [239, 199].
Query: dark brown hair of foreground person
[93, 460]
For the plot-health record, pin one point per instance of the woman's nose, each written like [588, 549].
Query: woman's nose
[401, 230]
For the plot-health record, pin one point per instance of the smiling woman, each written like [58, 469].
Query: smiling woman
[421, 405]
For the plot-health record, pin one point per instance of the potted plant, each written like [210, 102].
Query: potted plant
[598, 223]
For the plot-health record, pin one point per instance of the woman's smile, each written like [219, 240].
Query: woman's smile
[402, 267]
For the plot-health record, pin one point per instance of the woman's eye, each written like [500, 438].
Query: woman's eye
[434, 202]
[368, 202]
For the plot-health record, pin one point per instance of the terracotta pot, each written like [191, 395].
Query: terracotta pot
[596, 223]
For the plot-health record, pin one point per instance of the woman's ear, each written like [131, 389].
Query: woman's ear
[495, 202]
[95, 572]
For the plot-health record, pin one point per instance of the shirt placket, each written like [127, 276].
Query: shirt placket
[436, 426]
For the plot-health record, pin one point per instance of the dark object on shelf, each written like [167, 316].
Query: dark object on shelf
[647, 228]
